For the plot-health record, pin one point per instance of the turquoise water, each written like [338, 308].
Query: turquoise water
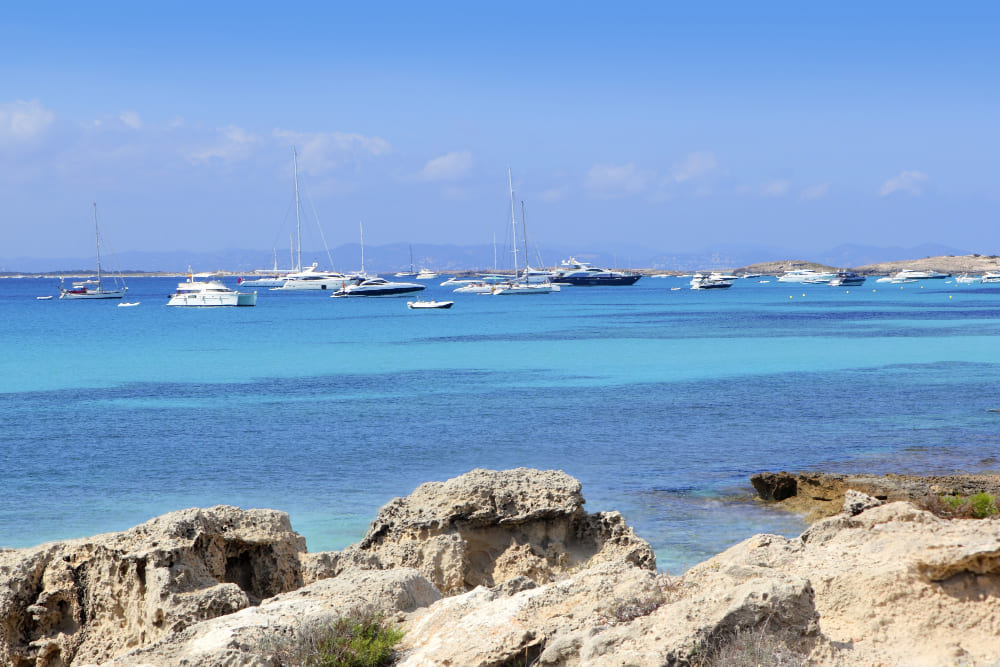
[662, 402]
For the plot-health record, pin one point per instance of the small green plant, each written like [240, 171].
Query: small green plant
[977, 506]
[361, 638]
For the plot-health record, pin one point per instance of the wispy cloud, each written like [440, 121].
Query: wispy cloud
[554, 194]
[131, 119]
[323, 151]
[910, 182]
[694, 165]
[448, 167]
[234, 144]
[609, 181]
[22, 121]
[775, 189]
[817, 191]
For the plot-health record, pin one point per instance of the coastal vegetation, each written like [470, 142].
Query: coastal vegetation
[361, 638]
[976, 506]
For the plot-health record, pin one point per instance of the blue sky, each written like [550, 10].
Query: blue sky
[679, 127]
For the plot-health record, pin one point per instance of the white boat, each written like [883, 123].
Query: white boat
[265, 277]
[128, 304]
[847, 279]
[990, 277]
[407, 274]
[196, 293]
[378, 287]
[805, 276]
[312, 278]
[478, 287]
[711, 281]
[426, 274]
[43, 298]
[95, 289]
[515, 286]
[966, 279]
[911, 274]
[414, 305]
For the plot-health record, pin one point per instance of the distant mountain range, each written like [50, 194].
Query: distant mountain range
[450, 258]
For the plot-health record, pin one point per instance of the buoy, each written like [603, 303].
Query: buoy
[949, 296]
[790, 296]
[803, 294]
[847, 291]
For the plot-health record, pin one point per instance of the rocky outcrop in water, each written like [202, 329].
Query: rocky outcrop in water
[530, 579]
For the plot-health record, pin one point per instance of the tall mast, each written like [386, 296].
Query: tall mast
[524, 232]
[361, 225]
[298, 221]
[513, 222]
[494, 252]
[97, 237]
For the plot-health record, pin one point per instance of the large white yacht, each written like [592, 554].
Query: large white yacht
[805, 276]
[912, 274]
[576, 272]
[209, 293]
[714, 280]
[312, 278]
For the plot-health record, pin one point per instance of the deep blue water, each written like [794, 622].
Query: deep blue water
[662, 402]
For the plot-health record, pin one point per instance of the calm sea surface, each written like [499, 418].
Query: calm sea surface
[662, 402]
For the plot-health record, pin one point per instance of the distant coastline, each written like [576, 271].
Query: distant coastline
[952, 264]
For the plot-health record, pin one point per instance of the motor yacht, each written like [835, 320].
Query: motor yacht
[378, 287]
[711, 281]
[911, 274]
[847, 279]
[805, 276]
[209, 293]
[312, 278]
[575, 272]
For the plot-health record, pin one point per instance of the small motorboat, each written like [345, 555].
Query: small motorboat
[128, 304]
[429, 304]
[43, 298]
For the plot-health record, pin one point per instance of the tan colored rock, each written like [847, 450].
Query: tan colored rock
[90, 599]
[486, 527]
[249, 637]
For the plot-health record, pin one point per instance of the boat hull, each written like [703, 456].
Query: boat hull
[213, 300]
[92, 294]
[596, 281]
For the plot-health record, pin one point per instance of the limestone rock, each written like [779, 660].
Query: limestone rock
[856, 502]
[90, 599]
[251, 637]
[486, 527]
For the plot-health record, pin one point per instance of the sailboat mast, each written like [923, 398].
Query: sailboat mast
[513, 222]
[361, 225]
[524, 233]
[97, 237]
[298, 221]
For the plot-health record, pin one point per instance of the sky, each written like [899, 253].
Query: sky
[668, 125]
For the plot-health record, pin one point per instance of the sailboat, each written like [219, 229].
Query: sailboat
[407, 274]
[95, 289]
[515, 286]
[310, 278]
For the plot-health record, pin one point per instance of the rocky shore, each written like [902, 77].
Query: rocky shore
[497, 568]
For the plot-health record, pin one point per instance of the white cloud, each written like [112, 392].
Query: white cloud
[910, 182]
[554, 194]
[815, 191]
[131, 119]
[320, 152]
[609, 181]
[22, 121]
[448, 167]
[694, 165]
[774, 189]
[234, 144]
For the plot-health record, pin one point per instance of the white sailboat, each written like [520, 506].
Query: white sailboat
[310, 278]
[515, 286]
[95, 289]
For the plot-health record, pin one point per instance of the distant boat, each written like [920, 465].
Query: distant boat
[514, 287]
[407, 274]
[414, 305]
[575, 272]
[128, 304]
[209, 293]
[912, 274]
[805, 276]
[966, 279]
[426, 274]
[990, 277]
[847, 279]
[43, 298]
[94, 289]
[377, 287]
[711, 281]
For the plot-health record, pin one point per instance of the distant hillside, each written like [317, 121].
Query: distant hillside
[954, 264]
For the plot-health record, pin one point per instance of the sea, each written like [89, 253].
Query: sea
[660, 399]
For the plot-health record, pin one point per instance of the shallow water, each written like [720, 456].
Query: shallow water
[661, 402]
